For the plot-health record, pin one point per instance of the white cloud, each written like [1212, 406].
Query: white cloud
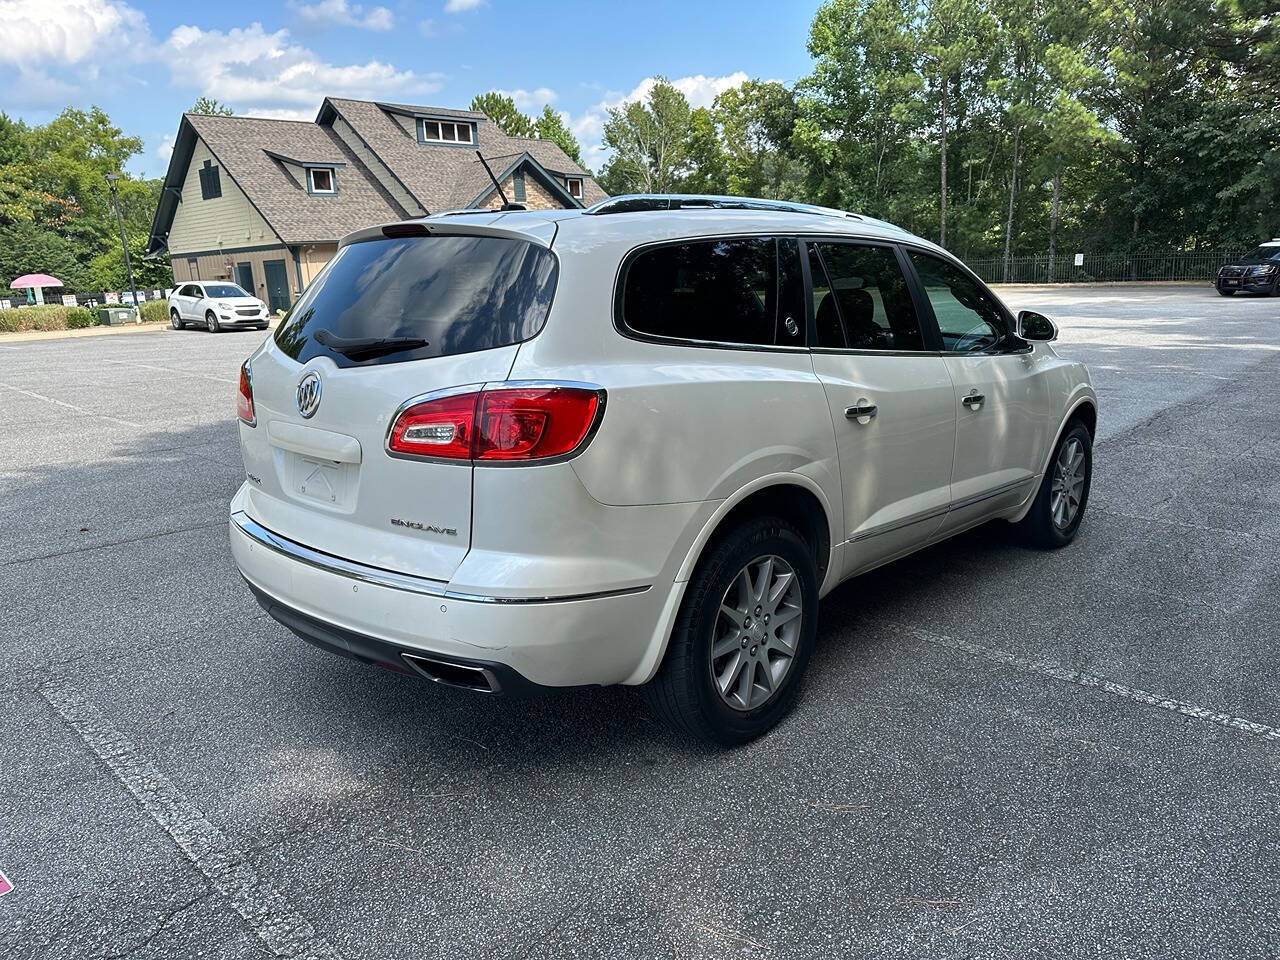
[54, 45]
[165, 148]
[340, 13]
[66, 31]
[699, 89]
[427, 27]
[462, 6]
[531, 99]
[264, 73]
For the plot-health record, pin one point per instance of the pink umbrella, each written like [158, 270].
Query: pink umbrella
[36, 281]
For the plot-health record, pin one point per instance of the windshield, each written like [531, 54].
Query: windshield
[224, 290]
[1267, 253]
[459, 294]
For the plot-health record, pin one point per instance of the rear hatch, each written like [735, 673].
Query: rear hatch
[391, 318]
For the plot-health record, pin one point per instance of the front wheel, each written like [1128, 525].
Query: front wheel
[1054, 517]
[1225, 293]
[743, 637]
[176, 320]
[211, 322]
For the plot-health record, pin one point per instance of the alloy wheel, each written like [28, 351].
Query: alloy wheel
[1067, 487]
[757, 631]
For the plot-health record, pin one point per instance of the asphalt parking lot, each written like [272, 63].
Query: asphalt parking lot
[999, 752]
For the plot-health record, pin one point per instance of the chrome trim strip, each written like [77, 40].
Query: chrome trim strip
[389, 578]
[987, 495]
[937, 512]
[899, 524]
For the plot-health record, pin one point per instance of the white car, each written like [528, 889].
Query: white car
[636, 444]
[216, 305]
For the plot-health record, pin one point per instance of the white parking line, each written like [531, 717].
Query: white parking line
[284, 932]
[70, 406]
[186, 374]
[1054, 671]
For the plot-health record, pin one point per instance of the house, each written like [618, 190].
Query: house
[264, 202]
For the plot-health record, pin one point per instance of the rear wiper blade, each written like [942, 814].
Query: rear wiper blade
[367, 348]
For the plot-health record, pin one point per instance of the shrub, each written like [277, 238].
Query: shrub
[78, 318]
[47, 317]
[155, 311]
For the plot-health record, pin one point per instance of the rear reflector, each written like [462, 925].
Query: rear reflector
[244, 397]
[515, 423]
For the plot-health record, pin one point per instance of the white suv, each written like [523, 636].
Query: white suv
[635, 444]
[216, 305]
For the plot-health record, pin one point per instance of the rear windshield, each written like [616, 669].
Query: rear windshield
[459, 294]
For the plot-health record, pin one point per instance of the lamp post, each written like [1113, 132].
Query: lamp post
[115, 202]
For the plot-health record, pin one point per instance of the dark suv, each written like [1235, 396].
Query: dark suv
[1258, 271]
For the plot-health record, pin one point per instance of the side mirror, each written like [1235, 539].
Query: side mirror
[1036, 326]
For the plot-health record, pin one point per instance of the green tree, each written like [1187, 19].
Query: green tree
[756, 120]
[209, 107]
[650, 143]
[706, 156]
[550, 126]
[107, 270]
[502, 110]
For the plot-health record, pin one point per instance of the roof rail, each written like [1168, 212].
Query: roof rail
[643, 202]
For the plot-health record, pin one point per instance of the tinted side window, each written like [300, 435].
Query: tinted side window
[722, 291]
[861, 300]
[969, 318]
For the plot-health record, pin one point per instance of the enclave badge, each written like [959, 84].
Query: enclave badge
[309, 394]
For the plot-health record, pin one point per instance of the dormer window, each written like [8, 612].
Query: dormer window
[444, 131]
[574, 186]
[320, 180]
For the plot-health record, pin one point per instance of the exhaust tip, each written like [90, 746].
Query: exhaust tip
[475, 679]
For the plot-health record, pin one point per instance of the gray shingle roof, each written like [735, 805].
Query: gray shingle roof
[440, 175]
[263, 156]
[241, 145]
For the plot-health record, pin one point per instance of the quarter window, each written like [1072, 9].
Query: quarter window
[729, 291]
[443, 131]
[861, 300]
[969, 318]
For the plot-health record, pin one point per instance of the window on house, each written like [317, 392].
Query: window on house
[442, 131]
[574, 186]
[321, 180]
[517, 186]
[210, 181]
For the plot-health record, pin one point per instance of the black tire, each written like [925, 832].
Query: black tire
[263, 326]
[211, 323]
[176, 320]
[1038, 526]
[683, 692]
[1226, 293]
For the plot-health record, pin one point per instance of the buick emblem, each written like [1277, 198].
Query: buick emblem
[309, 395]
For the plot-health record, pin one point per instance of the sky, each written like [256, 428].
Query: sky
[146, 61]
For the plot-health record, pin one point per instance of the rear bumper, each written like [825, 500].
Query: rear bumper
[383, 617]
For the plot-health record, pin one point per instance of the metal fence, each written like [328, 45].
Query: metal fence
[1105, 267]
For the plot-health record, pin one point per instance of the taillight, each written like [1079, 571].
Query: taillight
[244, 397]
[518, 422]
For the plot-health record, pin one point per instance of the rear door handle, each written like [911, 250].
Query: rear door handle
[861, 411]
[973, 401]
